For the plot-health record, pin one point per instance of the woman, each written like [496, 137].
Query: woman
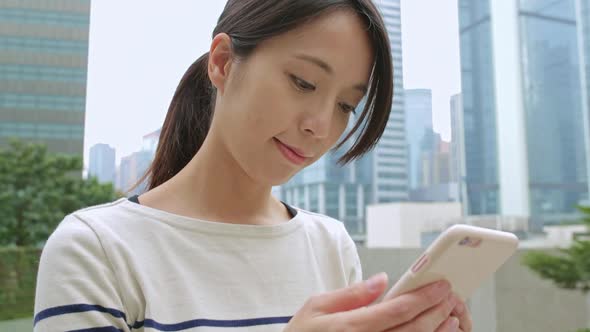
[208, 247]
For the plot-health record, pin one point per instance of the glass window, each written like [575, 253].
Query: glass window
[562, 9]
[41, 130]
[55, 102]
[478, 106]
[553, 107]
[42, 73]
[31, 16]
[332, 200]
[44, 45]
[351, 200]
[314, 198]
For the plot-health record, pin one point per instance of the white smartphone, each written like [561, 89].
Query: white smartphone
[464, 255]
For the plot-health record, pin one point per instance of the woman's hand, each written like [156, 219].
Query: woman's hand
[464, 316]
[428, 309]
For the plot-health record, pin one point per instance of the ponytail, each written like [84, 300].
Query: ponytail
[186, 125]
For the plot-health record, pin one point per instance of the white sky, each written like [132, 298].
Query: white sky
[140, 49]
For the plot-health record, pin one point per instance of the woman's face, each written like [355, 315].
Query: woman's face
[288, 103]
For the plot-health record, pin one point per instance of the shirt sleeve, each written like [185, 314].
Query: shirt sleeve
[352, 260]
[76, 285]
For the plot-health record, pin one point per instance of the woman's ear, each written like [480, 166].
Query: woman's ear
[220, 59]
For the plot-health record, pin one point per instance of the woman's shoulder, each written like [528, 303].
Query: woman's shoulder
[111, 213]
[101, 209]
[90, 223]
[325, 225]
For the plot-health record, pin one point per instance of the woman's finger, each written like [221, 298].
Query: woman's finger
[449, 325]
[400, 310]
[462, 312]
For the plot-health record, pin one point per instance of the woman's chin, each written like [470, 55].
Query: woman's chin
[278, 179]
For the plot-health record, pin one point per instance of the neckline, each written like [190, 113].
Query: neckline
[292, 211]
[216, 227]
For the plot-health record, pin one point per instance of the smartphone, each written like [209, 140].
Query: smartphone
[464, 255]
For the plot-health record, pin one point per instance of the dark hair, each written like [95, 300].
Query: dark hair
[248, 23]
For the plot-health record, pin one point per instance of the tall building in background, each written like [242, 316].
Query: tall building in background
[435, 161]
[150, 142]
[43, 66]
[458, 147]
[102, 163]
[418, 126]
[523, 104]
[380, 176]
[583, 17]
[436, 182]
[339, 192]
[390, 160]
[134, 166]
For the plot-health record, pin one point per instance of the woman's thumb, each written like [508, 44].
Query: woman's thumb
[352, 297]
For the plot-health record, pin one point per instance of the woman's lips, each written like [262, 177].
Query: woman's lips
[292, 154]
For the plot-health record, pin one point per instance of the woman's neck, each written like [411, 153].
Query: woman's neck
[214, 187]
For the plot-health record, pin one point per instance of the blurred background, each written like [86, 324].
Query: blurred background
[490, 127]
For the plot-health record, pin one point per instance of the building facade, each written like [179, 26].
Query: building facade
[43, 72]
[523, 99]
[102, 163]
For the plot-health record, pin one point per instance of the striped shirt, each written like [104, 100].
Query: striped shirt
[128, 267]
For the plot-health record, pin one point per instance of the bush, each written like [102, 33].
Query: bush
[18, 273]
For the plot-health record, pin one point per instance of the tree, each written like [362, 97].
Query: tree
[37, 189]
[570, 267]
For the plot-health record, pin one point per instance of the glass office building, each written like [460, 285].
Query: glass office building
[523, 101]
[43, 72]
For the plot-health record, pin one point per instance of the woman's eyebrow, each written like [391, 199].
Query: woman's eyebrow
[318, 62]
[361, 87]
[326, 67]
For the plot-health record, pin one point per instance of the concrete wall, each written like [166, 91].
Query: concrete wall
[395, 225]
[514, 300]
[563, 235]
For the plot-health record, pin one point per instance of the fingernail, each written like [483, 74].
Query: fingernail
[452, 300]
[460, 308]
[374, 283]
[443, 285]
[454, 323]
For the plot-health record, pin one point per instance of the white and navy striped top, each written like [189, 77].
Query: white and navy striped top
[123, 266]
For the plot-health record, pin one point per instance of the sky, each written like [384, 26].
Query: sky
[139, 50]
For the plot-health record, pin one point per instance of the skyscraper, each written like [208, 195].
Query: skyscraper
[418, 125]
[583, 18]
[43, 66]
[522, 99]
[435, 164]
[390, 178]
[150, 141]
[102, 163]
[134, 166]
[458, 146]
[380, 176]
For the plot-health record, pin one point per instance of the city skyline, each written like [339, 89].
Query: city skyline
[125, 101]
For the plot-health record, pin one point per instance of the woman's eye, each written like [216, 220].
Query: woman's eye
[347, 108]
[301, 84]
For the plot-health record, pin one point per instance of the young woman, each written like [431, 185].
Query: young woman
[208, 248]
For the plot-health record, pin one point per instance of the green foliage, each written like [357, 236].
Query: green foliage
[570, 268]
[18, 271]
[37, 189]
